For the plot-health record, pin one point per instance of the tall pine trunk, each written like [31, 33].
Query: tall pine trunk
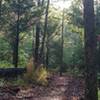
[90, 51]
[47, 51]
[37, 43]
[42, 56]
[0, 14]
[0, 8]
[47, 43]
[62, 43]
[16, 39]
[37, 40]
[42, 2]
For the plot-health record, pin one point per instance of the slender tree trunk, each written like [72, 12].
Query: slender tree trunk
[16, 41]
[42, 2]
[47, 44]
[98, 40]
[37, 41]
[0, 8]
[45, 33]
[0, 14]
[98, 56]
[62, 43]
[47, 52]
[90, 51]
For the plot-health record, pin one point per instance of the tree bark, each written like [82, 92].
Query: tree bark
[0, 8]
[0, 14]
[37, 41]
[45, 33]
[42, 2]
[16, 40]
[98, 56]
[90, 51]
[47, 52]
[62, 42]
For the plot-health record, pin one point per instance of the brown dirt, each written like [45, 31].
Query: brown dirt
[59, 88]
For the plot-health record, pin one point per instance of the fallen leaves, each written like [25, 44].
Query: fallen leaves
[59, 88]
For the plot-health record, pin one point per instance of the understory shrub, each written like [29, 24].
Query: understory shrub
[5, 64]
[38, 76]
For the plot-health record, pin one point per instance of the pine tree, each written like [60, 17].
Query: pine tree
[21, 14]
[90, 51]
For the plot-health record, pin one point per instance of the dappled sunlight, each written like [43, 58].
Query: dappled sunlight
[49, 49]
[61, 4]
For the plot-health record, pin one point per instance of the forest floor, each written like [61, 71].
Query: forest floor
[59, 88]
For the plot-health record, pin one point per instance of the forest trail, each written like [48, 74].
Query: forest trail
[59, 88]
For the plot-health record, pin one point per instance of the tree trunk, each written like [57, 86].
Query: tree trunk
[16, 40]
[37, 41]
[42, 2]
[98, 56]
[0, 14]
[62, 43]
[0, 8]
[45, 33]
[47, 52]
[90, 51]
[47, 43]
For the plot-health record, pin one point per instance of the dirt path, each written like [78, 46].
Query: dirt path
[59, 88]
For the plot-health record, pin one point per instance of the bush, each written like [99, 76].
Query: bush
[22, 58]
[41, 75]
[38, 76]
[5, 64]
[75, 71]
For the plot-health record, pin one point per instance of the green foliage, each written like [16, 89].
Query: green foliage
[5, 49]
[5, 64]
[73, 53]
[75, 13]
[99, 95]
[22, 58]
[74, 71]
